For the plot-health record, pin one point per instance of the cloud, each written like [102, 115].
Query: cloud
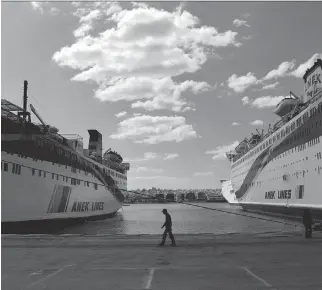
[240, 84]
[147, 156]
[239, 23]
[302, 68]
[266, 102]
[116, 59]
[38, 6]
[145, 169]
[154, 129]
[245, 100]
[162, 177]
[248, 37]
[196, 174]
[270, 86]
[257, 123]
[235, 124]
[220, 152]
[171, 156]
[121, 114]
[54, 11]
[282, 70]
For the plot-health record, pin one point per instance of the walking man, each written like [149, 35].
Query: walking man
[307, 222]
[168, 228]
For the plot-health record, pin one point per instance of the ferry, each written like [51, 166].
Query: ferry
[228, 193]
[49, 181]
[281, 172]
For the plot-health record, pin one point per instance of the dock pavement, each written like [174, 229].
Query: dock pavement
[230, 261]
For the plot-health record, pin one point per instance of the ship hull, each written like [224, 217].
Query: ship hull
[285, 177]
[39, 197]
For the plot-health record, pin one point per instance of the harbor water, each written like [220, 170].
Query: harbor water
[147, 219]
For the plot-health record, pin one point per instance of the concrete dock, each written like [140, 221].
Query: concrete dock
[263, 261]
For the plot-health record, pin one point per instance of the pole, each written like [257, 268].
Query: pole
[25, 97]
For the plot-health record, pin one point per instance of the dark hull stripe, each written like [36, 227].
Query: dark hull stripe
[310, 130]
[288, 212]
[48, 226]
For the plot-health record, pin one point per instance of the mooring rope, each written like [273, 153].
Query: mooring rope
[213, 209]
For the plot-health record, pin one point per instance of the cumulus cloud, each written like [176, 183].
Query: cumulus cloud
[154, 129]
[283, 69]
[152, 170]
[38, 6]
[146, 157]
[220, 152]
[257, 123]
[240, 84]
[136, 59]
[235, 124]
[171, 156]
[245, 100]
[239, 23]
[121, 114]
[266, 102]
[196, 174]
[270, 86]
[54, 11]
[302, 68]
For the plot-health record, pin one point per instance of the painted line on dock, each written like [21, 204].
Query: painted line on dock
[257, 277]
[149, 278]
[49, 276]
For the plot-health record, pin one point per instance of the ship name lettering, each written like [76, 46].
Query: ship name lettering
[270, 195]
[284, 194]
[80, 206]
[99, 205]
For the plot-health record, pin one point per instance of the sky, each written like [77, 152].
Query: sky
[171, 86]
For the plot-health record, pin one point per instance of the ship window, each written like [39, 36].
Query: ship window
[293, 126]
[57, 177]
[44, 173]
[95, 186]
[39, 173]
[320, 108]
[287, 130]
[305, 116]
[283, 133]
[299, 122]
[5, 166]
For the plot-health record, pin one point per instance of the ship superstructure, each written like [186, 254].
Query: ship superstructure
[49, 177]
[281, 171]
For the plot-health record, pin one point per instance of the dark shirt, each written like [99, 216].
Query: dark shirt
[168, 221]
[307, 218]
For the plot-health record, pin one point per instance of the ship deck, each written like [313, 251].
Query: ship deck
[265, 261]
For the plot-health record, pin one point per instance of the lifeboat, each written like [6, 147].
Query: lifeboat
[285, 106]
[113, 156]
[255, 139]
[242, 146]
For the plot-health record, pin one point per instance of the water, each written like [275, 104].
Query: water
[147, 219]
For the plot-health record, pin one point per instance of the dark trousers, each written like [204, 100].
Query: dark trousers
[168, 231]
[308, 231]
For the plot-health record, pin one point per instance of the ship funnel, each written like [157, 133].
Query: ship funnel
[95, 144]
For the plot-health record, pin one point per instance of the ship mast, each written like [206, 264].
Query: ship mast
[24, 113]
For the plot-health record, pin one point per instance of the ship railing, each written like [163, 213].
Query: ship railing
[297, 110]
